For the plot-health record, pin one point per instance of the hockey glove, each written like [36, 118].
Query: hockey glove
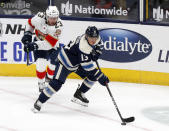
[27, 38]
[30, 47]
[95, 55]
[96, 52]
[103, 79]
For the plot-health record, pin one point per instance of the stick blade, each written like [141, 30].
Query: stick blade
[130, 119]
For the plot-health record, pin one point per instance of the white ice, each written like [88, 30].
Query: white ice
[147, 103]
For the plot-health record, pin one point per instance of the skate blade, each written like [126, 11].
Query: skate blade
[77, 101]
[34, 110]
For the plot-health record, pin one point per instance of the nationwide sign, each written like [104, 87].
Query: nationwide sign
[160, 14]
[69, 9]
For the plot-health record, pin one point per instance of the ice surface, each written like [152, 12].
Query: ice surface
[147, 103]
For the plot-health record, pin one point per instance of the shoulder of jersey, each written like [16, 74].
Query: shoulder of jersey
[40, 17]
[59, 23]
[59, 19]
[84, 46]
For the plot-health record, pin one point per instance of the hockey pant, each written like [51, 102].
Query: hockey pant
[45, 58]
[59, 78]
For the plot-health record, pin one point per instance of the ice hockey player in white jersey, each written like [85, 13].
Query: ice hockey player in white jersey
[76, 55]
[48, 28]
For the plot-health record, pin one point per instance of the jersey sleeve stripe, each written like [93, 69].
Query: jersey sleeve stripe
[29, 22]
[65, 61]
[51, 40]
[89, 67]
[36, 32]
[86, 63]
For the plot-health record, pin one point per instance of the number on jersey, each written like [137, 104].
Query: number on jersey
[84, 57]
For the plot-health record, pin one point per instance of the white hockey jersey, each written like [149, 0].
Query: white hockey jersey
[47, 36]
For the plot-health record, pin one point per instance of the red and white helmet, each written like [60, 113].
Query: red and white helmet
[52, 11]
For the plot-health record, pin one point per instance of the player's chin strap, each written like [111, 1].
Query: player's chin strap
[124, 120]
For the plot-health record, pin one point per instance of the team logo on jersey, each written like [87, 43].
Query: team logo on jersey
[58, 32]
[1, 30]
[121, 45]
[40, 35]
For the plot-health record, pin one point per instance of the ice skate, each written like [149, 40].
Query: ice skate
[37, 107]
[80, 98]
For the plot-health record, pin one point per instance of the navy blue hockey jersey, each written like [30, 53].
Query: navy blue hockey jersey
[78, 53]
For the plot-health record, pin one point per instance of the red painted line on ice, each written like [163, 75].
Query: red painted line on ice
[99, 116]
[77, 110]
[6, 128]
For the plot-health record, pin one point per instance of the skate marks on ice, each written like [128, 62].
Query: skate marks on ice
[158, 114]
[75, 110]
[3, 128]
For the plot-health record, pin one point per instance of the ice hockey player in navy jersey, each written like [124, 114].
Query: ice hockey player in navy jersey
[48, 28]
[76, 55]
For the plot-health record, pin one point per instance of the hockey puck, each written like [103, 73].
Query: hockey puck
[123, 123]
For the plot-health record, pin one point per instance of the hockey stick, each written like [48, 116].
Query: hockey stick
[27, 53]
[27, 62]
[27, 57]
[124, 120]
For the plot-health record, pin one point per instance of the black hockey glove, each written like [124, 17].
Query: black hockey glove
[27, 38]
[103, 80]
[96, 52]
[95, 55]
[30, 47]
[53, 56]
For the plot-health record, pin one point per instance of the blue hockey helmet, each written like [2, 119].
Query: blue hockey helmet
[92, 31]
